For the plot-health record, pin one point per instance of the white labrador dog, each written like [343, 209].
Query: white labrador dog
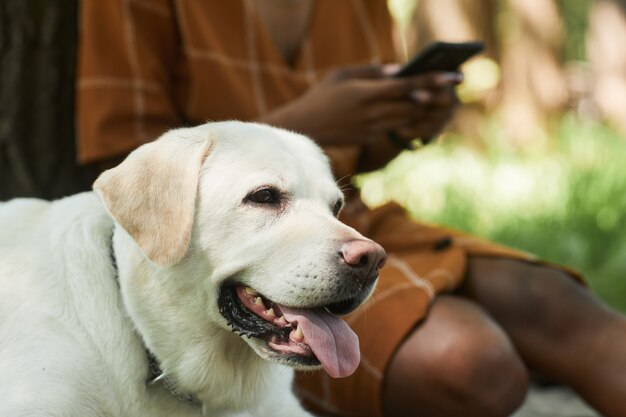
[203, 265]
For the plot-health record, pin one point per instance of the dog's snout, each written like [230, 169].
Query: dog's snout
[363, 254]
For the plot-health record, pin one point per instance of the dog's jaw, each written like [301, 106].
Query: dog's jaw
[303, 338]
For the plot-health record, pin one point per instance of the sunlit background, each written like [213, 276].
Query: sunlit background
[536, 157]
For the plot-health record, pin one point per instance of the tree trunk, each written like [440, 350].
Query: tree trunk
[606, 38]
[533, 80]
[37, 74]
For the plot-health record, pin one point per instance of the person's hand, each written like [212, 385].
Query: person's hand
[357, 106]
[438, 100]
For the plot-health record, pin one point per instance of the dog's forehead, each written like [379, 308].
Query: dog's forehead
[259, 154]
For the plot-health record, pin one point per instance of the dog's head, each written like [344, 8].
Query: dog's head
[237, 224]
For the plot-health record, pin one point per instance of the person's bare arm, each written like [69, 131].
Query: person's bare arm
[359, 106]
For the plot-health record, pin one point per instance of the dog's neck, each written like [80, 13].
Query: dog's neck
[187, 366]
[155, 374]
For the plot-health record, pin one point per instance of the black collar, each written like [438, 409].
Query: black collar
[155, 374]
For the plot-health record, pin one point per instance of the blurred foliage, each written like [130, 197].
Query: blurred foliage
[564, 201]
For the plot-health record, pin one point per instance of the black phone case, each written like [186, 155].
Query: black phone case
[441, 56]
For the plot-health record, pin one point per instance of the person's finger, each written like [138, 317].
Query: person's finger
[391, 69]
[446, 98]
[431, 120]
[399, 114]
[421, 96]
[431, 116]
[425, 133]
[373, 71]
[429, 123]
[399, 109]
[435, 80]
[393, 115]
[385, 89]
[402, 87]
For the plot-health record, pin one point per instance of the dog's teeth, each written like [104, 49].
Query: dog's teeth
[258, 301]
[250, 291]
[298, 336]
[281, 320]
[271, 313]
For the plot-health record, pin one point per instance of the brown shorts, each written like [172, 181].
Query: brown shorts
[423, 261]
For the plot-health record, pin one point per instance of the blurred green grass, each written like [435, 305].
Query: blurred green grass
[564, 201]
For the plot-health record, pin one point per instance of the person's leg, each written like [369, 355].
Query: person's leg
[457, 362]
[559, 328]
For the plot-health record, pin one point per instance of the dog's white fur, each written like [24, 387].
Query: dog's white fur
[73, 335]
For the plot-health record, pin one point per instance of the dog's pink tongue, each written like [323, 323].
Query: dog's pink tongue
[331, 340]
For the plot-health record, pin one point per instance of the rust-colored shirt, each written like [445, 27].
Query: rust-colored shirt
[146, 66]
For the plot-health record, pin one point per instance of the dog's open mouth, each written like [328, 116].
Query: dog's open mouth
[307, 337]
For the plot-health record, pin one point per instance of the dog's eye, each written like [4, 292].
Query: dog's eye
[270, 196]
[337, 207]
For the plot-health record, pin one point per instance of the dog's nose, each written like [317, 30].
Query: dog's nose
[365, 255]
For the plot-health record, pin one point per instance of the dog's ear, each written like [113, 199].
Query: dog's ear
[152, 194]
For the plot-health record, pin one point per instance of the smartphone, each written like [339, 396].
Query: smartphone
[441, 56]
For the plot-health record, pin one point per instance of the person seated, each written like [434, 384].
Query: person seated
[456, 323]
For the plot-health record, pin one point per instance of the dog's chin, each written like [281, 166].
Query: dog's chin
[275, 336]
[301, 362]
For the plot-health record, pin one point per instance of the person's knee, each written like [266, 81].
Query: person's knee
[484, 372]
[467, 367]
